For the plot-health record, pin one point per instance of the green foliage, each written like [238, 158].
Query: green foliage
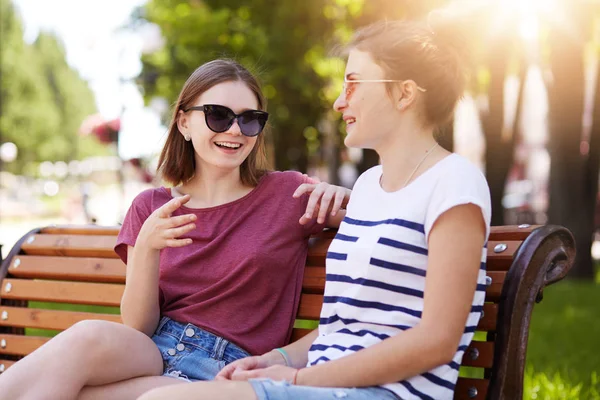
[287, 46]
[43, 101]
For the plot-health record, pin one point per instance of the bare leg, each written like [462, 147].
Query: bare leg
[88, 353]
[127, 390]
[228, 390]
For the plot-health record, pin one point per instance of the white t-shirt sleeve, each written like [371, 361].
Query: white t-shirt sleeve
[461, 184]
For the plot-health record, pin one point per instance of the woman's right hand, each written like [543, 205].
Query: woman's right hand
[161, 230]
[244, 364]
[268, 359]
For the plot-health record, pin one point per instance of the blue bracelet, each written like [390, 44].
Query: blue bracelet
[285, 355]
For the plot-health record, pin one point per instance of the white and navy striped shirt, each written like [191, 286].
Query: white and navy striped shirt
[377, 263]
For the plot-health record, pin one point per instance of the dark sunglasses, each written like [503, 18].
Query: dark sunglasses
[220, 118]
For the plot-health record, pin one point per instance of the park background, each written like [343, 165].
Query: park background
[86, 90]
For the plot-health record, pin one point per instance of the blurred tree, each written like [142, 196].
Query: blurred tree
[287, 46]
[42, 100]
[573, 172]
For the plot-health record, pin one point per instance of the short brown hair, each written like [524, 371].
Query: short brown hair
[177, 163]
[411, 50]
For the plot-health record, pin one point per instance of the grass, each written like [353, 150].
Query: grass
[563, 356]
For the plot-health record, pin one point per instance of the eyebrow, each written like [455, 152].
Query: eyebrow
[349, 75]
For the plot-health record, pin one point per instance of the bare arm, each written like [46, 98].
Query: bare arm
[139, 305]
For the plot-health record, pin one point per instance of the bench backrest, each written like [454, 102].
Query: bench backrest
[71, 266]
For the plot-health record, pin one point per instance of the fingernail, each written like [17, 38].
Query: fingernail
[307, 215]
[333, 213]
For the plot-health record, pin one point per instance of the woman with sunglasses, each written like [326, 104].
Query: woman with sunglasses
[406, 272]
[214, 263]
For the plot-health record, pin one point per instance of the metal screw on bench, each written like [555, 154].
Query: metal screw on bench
[31, 239]
[3, 343]
[4, 315]
[474, 354]
[17, 263]
[482, 314]
[488, 280]
[500, 248]
[8, 287]
[523, 226]
[472, 393]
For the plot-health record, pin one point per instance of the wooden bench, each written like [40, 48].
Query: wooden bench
[77, 265]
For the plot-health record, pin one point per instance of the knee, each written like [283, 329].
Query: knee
[90, 336]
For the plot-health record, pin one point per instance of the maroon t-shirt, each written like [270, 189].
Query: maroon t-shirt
[241, 277]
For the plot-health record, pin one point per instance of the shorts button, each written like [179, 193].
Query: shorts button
[171, 352]
[180, 347]
[189, 332]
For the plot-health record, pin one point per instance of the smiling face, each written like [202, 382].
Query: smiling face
[226, 150]
[367, 107]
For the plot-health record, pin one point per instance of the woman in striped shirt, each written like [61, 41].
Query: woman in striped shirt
[406, 271]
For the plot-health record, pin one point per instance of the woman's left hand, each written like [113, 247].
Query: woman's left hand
[275, 372]
[321, 195]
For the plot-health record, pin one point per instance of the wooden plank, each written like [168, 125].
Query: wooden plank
[298, 333]
[479, 354]
[81, 230]
[511, 232]
[471, 389]
[70, 245]
[20, 345]
[100, 294]
[5, 364]
[494, 291]
[310, 306]
[314, 279]
[22, 317]
[89, 269]
[501, 261]
[487, 323]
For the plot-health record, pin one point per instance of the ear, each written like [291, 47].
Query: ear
[407, 94]
[182, 122]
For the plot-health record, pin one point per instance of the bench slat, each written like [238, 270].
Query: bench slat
[111, 270]
[98, 294]
[511, 232]
[310, 306]
[471, 389]
[81, 230]
[314, 279]
[5, 364]
[479, 354]
[20, 345]
[299, 333]
[71, 245]
[47, 319]
[503, 260]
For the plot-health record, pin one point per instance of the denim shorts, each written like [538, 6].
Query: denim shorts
[267, 389]
[191, 353]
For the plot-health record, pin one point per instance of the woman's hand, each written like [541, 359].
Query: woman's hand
[321, 195]
[250, 363]
[275, 372]
[160, 230]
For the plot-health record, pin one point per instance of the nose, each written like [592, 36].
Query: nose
[234, 129]
[341, 102]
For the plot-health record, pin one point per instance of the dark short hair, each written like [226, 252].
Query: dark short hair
[177, 163]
